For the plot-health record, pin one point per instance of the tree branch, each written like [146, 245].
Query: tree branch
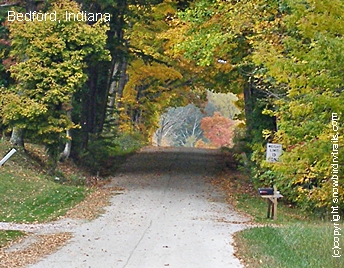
[5, 4]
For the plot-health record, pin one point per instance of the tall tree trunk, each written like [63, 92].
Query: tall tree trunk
[98, 100]
[68, 146]
[17, 137]
[91, 114]
[112, 90]
[119, 80]
[119, 49]
[248, 104]
[122, 81]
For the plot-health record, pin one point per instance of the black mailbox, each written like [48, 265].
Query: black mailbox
[266, 191]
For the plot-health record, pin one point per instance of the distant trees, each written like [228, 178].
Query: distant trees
[190, 126]
[180, 126]
[225, 103]
[219, 130]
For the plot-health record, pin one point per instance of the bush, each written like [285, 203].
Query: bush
[101, 153]
[303, 174]
[129, 142]
[98, 152]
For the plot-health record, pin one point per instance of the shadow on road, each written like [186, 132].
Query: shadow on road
[183, 160]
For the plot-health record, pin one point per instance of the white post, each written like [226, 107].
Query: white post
[7, 156]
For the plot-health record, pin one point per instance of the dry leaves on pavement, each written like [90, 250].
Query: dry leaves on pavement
[46, 244]
[93, 204]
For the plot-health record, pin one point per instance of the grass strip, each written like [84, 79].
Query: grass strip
[295, 245]
[8, 236]
[35, 199]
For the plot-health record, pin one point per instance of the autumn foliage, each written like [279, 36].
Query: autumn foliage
[218, 130]
[282, 59]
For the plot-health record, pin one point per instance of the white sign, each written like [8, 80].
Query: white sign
[273, 151]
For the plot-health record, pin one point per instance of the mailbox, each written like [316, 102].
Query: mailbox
[266, 191]
[271, 195]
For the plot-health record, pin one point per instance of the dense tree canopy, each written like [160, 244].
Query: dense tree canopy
[282, 58]
[50, 58]
[285, 57]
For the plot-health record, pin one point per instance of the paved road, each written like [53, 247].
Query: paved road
[168, 216]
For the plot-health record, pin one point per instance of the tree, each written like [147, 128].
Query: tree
[4, 50]
[180, 126]
[132, 39]
[224, 103]
[155, 82]
[286, 64]
[218, 130]
[306, 60]
[168, 121]
[51, 58]
[217, 36]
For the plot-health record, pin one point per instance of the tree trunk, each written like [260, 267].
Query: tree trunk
[118, 79]
[122, 81]
[68, 147]
[159, 136]
[248, 104]
[90, 109]
[17, 137]
[112, 90]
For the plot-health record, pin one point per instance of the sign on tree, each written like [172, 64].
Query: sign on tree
[273, 151]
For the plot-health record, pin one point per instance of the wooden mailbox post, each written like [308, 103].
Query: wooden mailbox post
[273, 151]
[271, 196]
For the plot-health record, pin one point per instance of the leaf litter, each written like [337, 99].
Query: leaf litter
[41, 245]
[45, 244]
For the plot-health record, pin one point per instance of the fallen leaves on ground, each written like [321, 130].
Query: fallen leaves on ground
[94, 203]
[88, 209]
[234, 184]
[46, 244]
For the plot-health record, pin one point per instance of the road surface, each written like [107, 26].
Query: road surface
[169, 215]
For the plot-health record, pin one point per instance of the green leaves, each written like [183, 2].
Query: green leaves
[51, 57]
[289, 54]
[306, 57]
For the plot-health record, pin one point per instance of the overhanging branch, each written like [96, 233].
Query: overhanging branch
[6, 4]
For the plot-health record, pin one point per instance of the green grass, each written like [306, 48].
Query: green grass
[8, 236]
[35, 199]
[257, 207]
[296, 245]
[296, 239]
[27, 194]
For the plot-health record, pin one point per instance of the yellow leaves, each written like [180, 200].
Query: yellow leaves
[51, 59]
[15, 107]
[51, 37]
[302, 109]
[140, 73]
